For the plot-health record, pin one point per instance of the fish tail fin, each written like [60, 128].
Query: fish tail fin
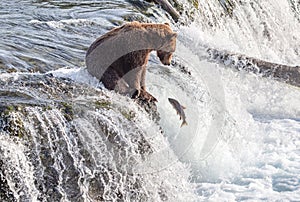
[184, 123]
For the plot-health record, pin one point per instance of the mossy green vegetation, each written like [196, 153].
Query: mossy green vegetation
[103, 104]
[129, 115]
[67, 110]
[47, 107]
[195, 3]
[11, 70]
[9, 109]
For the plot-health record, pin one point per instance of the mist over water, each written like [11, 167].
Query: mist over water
[70, 140]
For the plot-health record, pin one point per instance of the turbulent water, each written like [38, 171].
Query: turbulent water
[65, 138]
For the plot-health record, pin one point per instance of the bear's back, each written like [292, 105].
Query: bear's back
[162, 29]
[101, 39]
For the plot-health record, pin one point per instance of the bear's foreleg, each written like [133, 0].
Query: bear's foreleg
[143, 78]
[144, 94]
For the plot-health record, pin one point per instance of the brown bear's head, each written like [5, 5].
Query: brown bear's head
[165, 57]
[166, 51]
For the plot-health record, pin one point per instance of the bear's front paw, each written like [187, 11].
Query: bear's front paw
[147, 96]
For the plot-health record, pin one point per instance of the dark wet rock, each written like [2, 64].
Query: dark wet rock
[150, 107]
[182, 68]
[168, 7]
[295, 6]
[280, 72]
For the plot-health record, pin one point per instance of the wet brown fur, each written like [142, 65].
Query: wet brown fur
[116, 76]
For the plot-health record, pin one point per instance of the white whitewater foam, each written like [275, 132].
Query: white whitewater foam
[18, 166]
[260, 162]
[79, 75]
[257, 156]
[63, 23]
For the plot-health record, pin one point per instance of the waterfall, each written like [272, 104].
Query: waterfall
[64, 137]
[88, 147]
[265, 30]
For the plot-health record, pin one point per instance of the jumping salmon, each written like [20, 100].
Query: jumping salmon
[179, 109]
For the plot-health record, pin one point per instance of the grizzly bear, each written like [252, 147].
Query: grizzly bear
[119, 57]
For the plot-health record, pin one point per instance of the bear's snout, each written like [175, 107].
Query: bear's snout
[165, 57]
[167, 63]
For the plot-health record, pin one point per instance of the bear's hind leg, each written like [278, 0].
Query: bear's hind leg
[143, 78]
[110, 79]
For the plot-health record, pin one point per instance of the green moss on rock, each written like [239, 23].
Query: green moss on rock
[47, 107]
[195, 3]
[103, 104]
[67, 110]
[129, 115]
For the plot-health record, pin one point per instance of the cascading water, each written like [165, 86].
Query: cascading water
[267, 30]
[64, 138]
[88, 147]
[260, 113]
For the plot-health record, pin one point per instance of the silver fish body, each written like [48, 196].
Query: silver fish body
[179, 109]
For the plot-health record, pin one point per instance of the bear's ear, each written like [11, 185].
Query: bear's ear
[167, 24]
[172, 35]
